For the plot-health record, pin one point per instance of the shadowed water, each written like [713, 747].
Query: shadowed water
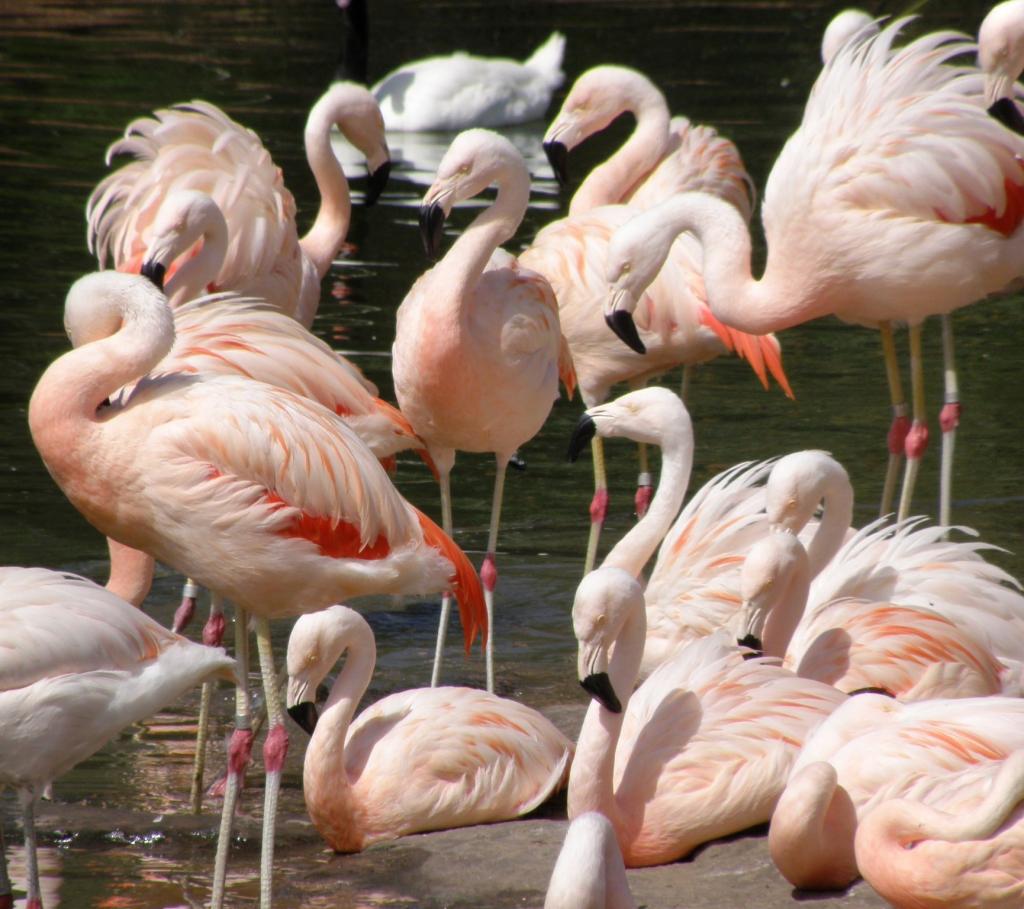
[73, 75]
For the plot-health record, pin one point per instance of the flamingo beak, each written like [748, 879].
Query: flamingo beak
[432, 218]
[155, 271]
[558, 158]
[753, 642]
[585, 430]
[599, 686]
[621, 322]
[377, 181]
[305, 714]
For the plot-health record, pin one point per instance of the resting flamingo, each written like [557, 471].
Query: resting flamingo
[1001, 58]
[896, 199]
[922, 857]
[77, 666]
[703, 747]
[197, 146]
[421, 759]
[873, 748]
[589, 873]
[201, 474]
[478, 350]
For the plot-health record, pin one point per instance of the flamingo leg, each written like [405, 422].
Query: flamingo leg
[239, 750]
[949, 419]
[917, 438]
[34, 898]
[184, 613]
[489, 569]
[444, 480]
[598, 505]
[213, 634]
[644, 482]
[6, 892]
[275, 749]
[900, 423]
[684, 387]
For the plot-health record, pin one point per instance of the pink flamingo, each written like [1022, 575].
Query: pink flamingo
[1001, 58]
[874, 748]
[703, 747]
[84, 664]
[918, 856]
[589, 872]
[478, 351]
[422, 759]
[202, 473]
[197, 146]
[897, 198]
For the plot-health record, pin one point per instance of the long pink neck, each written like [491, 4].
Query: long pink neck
[196, 274]
[329, 798]
[330, 228]
[131, 572]
[789, 596]
[591, 786]
[615, 180]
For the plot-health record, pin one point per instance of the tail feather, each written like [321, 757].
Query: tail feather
[547, 59]
[466, 586]
[566, 367]
[762, 352]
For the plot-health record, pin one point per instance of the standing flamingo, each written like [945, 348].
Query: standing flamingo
[874, 748]
[478, 351]
[422, 759]
[203, 473]
[1001, 58]
[922, 857]
[197, 146]
[79, 664]
[897, 198]
[704, 746]
[589, 873]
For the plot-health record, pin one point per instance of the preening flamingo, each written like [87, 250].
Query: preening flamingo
[921, 857]
[422, 759]
[589, 873]
[1001, 58]
[461, 91]
[843, 27]
[704, 746]
[478, 350]
[197, 146]
[896, 199]
[203, 473]
[874, 748]
[78, 665]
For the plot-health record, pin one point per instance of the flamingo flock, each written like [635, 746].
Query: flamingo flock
[856, 688]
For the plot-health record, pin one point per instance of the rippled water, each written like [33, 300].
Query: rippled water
[73, 74]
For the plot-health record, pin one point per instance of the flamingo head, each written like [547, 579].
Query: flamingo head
[763, 584]
[1001, 49]
[650, 415]
[185, 217]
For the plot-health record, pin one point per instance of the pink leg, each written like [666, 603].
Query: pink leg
[917, 438]
[184, 613]
[275, 749]
[949, 420]
[644, 483]
[900, 422]
[213, 634]
[598, 505]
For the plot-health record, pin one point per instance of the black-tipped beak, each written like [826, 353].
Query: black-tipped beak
[377, 181]
[558, 158]
[431, 229]
[754, 643]
[621, 322]
[1005, 110]
[599, 686]
[155, 272]
[585, 430]
[305, 714]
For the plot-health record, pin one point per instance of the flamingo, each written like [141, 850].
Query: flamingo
[661, 157]
[197, 146]
[874, 748]
[78, 665]
[1001, 58]
[896, 199]
[202, 473]
[422, 759]
[655, 764]
[843, 27]
[478, 350]
[918, 856]
[589, 873]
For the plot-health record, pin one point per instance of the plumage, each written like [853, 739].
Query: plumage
[589, 872]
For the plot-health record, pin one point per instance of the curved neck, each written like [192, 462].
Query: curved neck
[632, 552]
[789, 600]
[616, 179]
[591, 786]
[195, 275]
[465, 262]
[774, 302]
[325, 779]
[131, 572]
[330, 228]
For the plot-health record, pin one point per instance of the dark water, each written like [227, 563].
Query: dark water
[73, 74]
